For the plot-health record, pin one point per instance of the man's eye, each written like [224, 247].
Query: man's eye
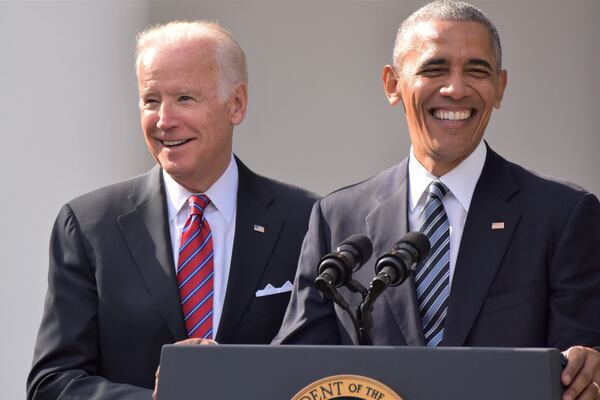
[185, 98]
[433, 71]
[150, 102]
[479, 73]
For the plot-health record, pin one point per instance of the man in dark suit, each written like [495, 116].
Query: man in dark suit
[115, 293]
[515, 258]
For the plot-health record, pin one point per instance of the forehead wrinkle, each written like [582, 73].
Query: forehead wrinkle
[427, 34]
[170, 56]
[179, 68]
[146, 86]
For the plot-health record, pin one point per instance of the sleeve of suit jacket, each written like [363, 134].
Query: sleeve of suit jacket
[66, 363]
[574, 278]
[310, 317]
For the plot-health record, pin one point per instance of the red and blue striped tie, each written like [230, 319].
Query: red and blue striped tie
[195, 270]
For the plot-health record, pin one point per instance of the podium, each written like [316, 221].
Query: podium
[252, 372]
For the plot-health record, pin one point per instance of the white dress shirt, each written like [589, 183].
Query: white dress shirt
[461, 183]
[220, 215]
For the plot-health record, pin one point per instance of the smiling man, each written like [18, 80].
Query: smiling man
[515, 258]
[200, 247]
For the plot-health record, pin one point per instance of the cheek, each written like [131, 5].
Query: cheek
[148, 122]
[414, 97]
[488, 94]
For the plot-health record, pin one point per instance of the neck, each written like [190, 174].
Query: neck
[200, 183]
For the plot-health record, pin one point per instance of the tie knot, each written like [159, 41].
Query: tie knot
[197, 203]
[437, 189]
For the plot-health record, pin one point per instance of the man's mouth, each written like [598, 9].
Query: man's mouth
[174, 143]
[447, 115]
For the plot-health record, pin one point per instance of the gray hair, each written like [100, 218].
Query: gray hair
[445, 10]
[229, 56]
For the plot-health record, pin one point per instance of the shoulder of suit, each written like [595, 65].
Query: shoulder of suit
[371, 189]
[117, 195]
[289, 190]
[261, 186]
[544, 185]
[542, 197]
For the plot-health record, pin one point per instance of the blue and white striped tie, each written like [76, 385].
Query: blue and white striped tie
[432, 280]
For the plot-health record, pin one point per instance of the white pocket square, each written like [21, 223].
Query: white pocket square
[270, 289]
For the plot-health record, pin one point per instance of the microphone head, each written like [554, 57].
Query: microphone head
[419, 241]
[362, 246]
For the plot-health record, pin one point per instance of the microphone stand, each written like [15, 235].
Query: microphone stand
[330, 291]
[332, 294]
[362, 320]
[363, 312]
[385, 278]
[361, 333]
[365, 323]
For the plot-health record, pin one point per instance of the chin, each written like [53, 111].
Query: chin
[172, 168]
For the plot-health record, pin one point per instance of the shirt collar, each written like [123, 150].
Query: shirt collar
[222, 193]
[461, 180]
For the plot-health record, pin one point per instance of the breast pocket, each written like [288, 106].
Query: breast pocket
[269, 303]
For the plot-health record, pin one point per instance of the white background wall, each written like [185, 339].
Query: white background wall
[68, 117]
[317, 117]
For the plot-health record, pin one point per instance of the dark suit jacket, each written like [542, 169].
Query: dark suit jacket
[535, 283]
[112, 298]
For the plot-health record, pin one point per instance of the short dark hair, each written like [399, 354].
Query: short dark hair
[446, 10]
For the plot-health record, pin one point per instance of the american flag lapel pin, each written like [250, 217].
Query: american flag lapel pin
[497, 225]
[259, 228]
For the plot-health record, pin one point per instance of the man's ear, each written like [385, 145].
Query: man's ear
[502, 81]
[238, 104]
[390, 85]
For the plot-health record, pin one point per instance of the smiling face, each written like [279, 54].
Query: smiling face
[448, 83]
[187, 127]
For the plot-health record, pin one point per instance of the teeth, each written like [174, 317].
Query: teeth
[173, 142]
[452, 115]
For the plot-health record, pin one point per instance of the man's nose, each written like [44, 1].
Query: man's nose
[167, 118]
[456, 87]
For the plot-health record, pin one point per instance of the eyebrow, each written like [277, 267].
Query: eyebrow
[146, 93]
[432, 61]
[479, 61]
[442, 61]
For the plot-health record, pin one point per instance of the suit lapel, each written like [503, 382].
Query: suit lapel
[482, 248]
[386, 224]
[146, 232]
[251, 249]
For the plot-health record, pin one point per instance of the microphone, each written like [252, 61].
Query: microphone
[394, 267]
[336, 268]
